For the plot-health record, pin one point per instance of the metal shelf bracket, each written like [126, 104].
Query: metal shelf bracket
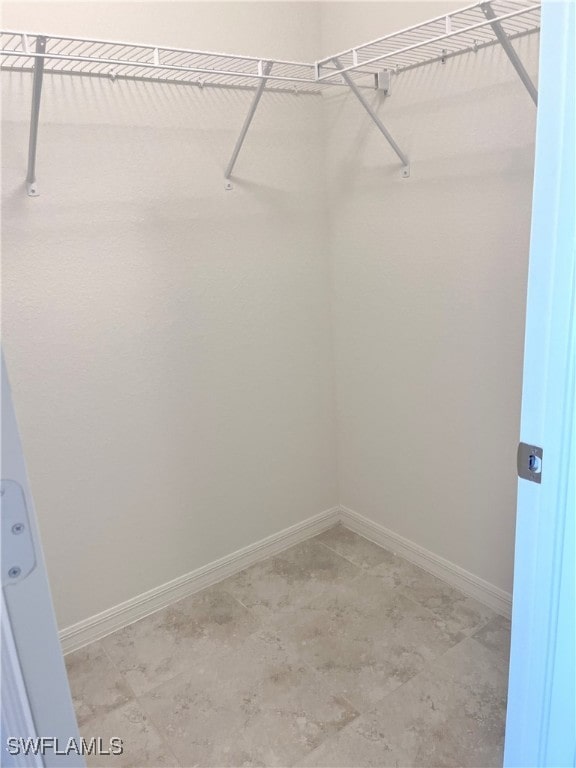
[31, 186]
[379, 124]
[510, 52]
[264, 69]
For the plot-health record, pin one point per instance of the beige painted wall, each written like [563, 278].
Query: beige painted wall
[168, 342]
[429, 280]
[170, 345]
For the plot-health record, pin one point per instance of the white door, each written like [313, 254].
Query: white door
[38, 721]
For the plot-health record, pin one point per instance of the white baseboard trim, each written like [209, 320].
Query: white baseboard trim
[94, 628]
[474, 586]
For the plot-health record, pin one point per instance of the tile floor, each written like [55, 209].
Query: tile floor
[333, 653]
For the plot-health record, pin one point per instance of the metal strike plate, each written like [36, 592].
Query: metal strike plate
[18, 556]
[530, 462]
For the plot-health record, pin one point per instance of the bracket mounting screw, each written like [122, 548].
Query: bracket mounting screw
[17, 528]
[14, 572]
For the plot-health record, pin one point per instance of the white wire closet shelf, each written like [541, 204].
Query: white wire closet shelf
[366, 66]
[114, 59]
[466, 30]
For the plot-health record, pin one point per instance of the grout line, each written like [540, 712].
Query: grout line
[456, 577]
[428, 667]
[429, 664]
[291, 646]
[124, 676]
[427, 574]
[233, 596]
[433, 614]
[332, 693]
[223, 652]
[468, 633]
[117, 670]
[343, 556]
[161, 733]
[297, 608]
[397, 590]
[251, 613]
[367, 571]
[134, 700]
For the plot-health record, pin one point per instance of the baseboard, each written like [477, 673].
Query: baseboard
[486, 593]
[94, 628]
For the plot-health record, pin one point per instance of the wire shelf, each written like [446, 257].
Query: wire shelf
[463, 31]
[118, 60]
[469, 29]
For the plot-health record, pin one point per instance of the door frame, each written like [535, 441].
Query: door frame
[540, 728]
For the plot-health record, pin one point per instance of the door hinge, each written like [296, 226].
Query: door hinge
[18, 555]
[530, 462]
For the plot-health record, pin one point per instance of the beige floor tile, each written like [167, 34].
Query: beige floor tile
[254, 706]
[364, 639]
[169, 642]
[360, 745]
[142, 744]
[97, 686]
[290, 579]
[357, 549]
[495, 635]
[273, 666]
[451, 715]
[459, 612]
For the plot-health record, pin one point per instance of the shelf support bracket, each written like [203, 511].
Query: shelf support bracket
[510, 52]
[379, 124]
[264, 70]
[31, 186]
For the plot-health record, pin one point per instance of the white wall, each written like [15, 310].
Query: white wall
[168, 342]
[429, 280]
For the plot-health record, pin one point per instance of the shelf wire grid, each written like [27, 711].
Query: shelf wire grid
[102, 58]
[462, 31]
[456, 33]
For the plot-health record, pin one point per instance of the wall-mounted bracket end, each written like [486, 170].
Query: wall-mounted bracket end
[228, 186]
[384, 81]
[405, 172]
[32, 189]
